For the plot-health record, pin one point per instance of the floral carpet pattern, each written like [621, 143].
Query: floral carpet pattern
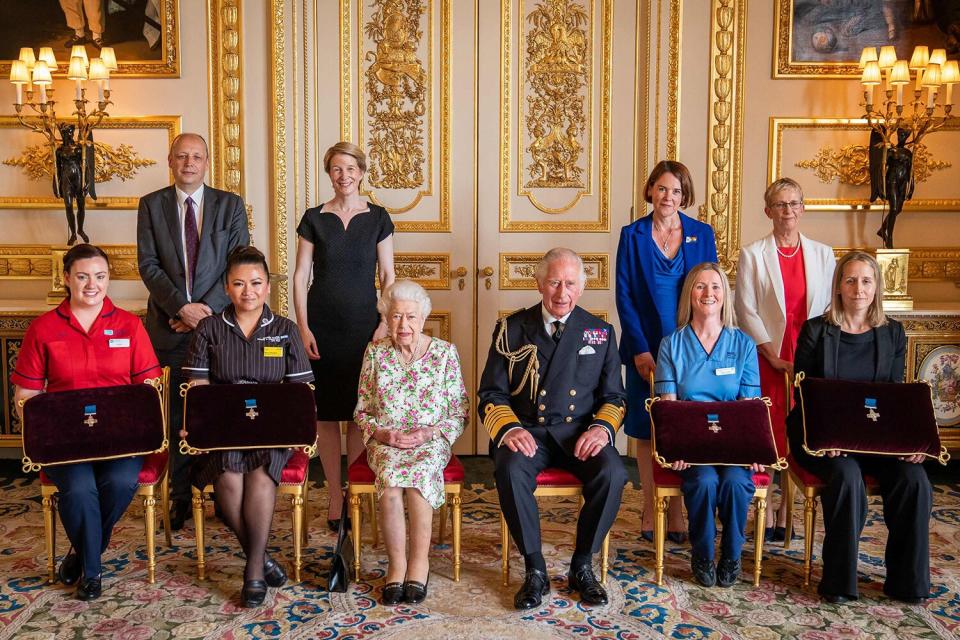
[180, 606]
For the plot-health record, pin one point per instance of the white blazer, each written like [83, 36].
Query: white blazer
[759, 299]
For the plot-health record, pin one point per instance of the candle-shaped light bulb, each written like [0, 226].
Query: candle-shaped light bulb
[41, 78]
[900, 76]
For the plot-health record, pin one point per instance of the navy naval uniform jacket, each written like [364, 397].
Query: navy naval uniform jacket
[577, 385]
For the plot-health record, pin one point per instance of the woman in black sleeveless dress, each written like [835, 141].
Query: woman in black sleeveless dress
[344, 244]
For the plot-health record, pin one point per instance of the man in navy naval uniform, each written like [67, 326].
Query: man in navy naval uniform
[551, 395]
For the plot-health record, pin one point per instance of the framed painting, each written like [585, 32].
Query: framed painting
[824, 38]
[143, 33]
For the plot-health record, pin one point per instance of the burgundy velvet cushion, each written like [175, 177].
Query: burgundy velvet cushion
[360, 472]
[92, 424]
[880, 418]
[670, 478]
[243, 416]
[709, 433]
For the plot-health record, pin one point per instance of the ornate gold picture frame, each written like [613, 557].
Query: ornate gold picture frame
[146, 38]
[815, 39]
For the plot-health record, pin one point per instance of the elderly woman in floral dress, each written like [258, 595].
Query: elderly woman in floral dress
[411, 408]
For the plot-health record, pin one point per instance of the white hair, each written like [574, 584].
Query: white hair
[407, 290]
[555, 255]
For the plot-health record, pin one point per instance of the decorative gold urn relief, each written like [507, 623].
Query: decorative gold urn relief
[121, 162]
[851, 165]
[518, 270]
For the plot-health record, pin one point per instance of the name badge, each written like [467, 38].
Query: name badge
[273, 352]
[726, 371]
[108, 332]
[117, 343]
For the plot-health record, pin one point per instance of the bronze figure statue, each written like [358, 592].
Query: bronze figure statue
[891, 178]
[73, 178]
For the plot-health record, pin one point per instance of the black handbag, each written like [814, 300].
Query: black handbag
[340, 574]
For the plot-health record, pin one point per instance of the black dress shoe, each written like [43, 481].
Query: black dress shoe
[253, 593]
[677, 537]
[392, 594]
[69, 570]
[836, 598]
[647, 534]
[273, 573]
[704, 571]
[583, 581]
[180, 510]
[728, 572]
[89, 589]
[74, 41]
[536, 584]
[415, 592]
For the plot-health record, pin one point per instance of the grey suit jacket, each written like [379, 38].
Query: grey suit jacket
[161, 262]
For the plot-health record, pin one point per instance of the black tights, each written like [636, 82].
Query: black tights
[247, 501]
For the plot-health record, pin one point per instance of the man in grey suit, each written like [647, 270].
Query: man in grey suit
[184, 233]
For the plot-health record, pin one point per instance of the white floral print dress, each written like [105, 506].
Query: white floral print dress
[395, 395]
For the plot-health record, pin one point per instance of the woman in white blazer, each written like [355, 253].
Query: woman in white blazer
[782, 280]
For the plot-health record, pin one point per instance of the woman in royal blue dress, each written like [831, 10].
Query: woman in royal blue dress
[655, 254]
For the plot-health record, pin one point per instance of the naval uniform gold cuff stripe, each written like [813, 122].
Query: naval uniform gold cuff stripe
[497, 418]
[612, 414]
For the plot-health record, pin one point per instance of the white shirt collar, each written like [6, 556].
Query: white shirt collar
[548, 319]
[182, 196]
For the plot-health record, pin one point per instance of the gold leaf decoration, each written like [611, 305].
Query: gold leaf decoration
[413, 271]
[557, 61]
[851, 164]
[122, 162]
[396, 95]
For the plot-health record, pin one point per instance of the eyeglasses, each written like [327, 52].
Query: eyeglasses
[782, 206]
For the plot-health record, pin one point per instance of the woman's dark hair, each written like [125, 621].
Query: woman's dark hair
[82, 252]
[246, 255]
[680, 172]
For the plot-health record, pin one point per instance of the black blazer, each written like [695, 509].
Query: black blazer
[818, 350]
[161, 262]
[580, 380]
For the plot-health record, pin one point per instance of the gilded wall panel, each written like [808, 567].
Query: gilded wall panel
[927, 264]
[518, 270]
[43, 262]
[438, 325]
[555, 81]
[429, 270]
[603, 315]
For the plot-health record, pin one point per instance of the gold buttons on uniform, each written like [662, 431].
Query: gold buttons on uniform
[542, 407]
[541, 419]
[572, 407]
[573, 392]
[543, 392]
[568, 419]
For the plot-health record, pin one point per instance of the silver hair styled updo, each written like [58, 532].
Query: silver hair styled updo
[407, 290]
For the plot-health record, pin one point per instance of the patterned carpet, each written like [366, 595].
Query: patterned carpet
[179, 606]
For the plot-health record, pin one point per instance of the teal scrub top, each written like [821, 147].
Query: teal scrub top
[729, 372]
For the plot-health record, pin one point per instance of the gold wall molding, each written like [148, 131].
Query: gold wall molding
[518, 270]
[851, 164]
[429, 270]
[784, 66]
[780, 126]
[673, 78]
[41, 262]
[721, 209]
[278, 129]
[438, 325]
[927, 264]
[600, 313]
[225, 42]
[122, 162]
[509, 112]
[171, 124]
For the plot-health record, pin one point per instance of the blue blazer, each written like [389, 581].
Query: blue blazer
[639, 319]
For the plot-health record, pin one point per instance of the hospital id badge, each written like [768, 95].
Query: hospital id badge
[273, 352]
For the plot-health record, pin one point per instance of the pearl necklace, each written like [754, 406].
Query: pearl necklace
[788, 256]
[413, 357]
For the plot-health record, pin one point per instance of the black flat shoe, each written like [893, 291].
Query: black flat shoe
[69, 570]
[253, 594]
[392, 594]
[780, 534]
[334, 525]
[536, 584]
[770, 535]
[728, 572]
[677, 537]
[415, 592]
[704, 571]
[273, 573]
[647, 534]
[180, 511]
[586, 584]
[89, 589]
[836, 598]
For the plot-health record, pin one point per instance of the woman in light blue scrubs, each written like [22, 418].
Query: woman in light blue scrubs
[709, 359]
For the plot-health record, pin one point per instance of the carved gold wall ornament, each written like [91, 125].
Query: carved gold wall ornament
[39, 262]
[673, 79]
[518, 270]
[557, 76]
[725, 147]
[225, 35]
[278, 102]
[120, 162]
[429, 270]
[850, 165]
[927, 264]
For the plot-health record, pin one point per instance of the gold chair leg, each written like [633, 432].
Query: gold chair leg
[149, 524]
[50, 532]
[787, 488]
[374, 528]
[659, 533]
[307, 512]
[443, 522]
[197, 500]
[758, 531]
[456, 511]
[355, 523]
[809, 517]
[165, 506]
[605, 559]
[504, 551]
[296, 500]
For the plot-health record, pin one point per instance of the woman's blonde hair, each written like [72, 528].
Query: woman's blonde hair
[875, 315]
[685, 310]
[347, 149]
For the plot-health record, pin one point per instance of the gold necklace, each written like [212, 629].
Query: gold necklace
[669, 232]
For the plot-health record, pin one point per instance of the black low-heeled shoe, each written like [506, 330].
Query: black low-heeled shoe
[392, 593]
[415, 592]
[89, 589]
[677, 537]
[273, 573]
[253, 594]
[334, 525]
[647, 534]
[69, 570]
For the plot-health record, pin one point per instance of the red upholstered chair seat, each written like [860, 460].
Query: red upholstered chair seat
[151, 473]
[554, 477]
[810, 479]
[296, 469]
[670, 478]
[360, 472]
